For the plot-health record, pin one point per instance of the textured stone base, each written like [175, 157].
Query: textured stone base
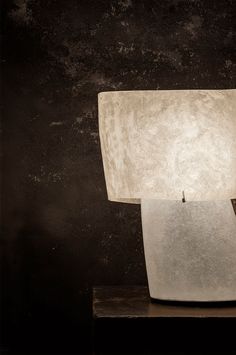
[190, 250]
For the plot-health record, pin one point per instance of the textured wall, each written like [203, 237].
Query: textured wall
[61, 235]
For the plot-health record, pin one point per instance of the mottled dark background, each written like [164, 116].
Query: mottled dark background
[60, 234]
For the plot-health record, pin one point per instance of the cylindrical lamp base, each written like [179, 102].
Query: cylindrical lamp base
[190, 250]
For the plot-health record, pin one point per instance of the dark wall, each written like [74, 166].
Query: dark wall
[60, 234]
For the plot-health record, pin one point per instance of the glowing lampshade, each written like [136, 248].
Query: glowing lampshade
[157, 144]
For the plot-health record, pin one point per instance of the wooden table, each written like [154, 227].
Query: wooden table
[127, 321]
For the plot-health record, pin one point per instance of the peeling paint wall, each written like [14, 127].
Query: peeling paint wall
[61, 235]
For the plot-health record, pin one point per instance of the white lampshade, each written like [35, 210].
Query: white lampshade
[157, 144]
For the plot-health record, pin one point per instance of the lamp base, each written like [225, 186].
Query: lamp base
[190, 250]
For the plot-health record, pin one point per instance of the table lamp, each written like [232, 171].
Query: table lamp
[174, 152]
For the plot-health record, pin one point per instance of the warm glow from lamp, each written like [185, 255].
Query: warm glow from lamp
[163, 148]
[156, 144]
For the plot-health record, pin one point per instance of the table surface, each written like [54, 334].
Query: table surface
[135, 302]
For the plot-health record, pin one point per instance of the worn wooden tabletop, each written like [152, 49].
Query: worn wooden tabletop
[134, 302]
